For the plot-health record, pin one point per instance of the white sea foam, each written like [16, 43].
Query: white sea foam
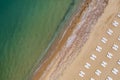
[70, 40]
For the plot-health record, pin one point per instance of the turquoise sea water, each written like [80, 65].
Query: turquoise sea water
[26, 29]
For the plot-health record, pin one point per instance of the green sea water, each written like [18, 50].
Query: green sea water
[26, 29]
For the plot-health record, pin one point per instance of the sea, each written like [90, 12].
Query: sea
[27, 27]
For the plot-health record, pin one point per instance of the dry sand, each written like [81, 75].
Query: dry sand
[80, 41]
[99, 31]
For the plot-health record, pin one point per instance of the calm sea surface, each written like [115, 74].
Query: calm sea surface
[26, 29]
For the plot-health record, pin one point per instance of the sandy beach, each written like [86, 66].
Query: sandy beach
[72, 50]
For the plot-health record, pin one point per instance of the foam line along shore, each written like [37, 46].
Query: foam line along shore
[57, 39]
[81, 26]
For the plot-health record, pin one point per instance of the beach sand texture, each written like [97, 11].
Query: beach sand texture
[80, 41]
[98, 32]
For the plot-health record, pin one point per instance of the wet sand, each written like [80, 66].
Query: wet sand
[68, 46]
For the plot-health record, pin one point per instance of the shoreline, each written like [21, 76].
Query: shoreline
[48, 63]
[57, 39]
